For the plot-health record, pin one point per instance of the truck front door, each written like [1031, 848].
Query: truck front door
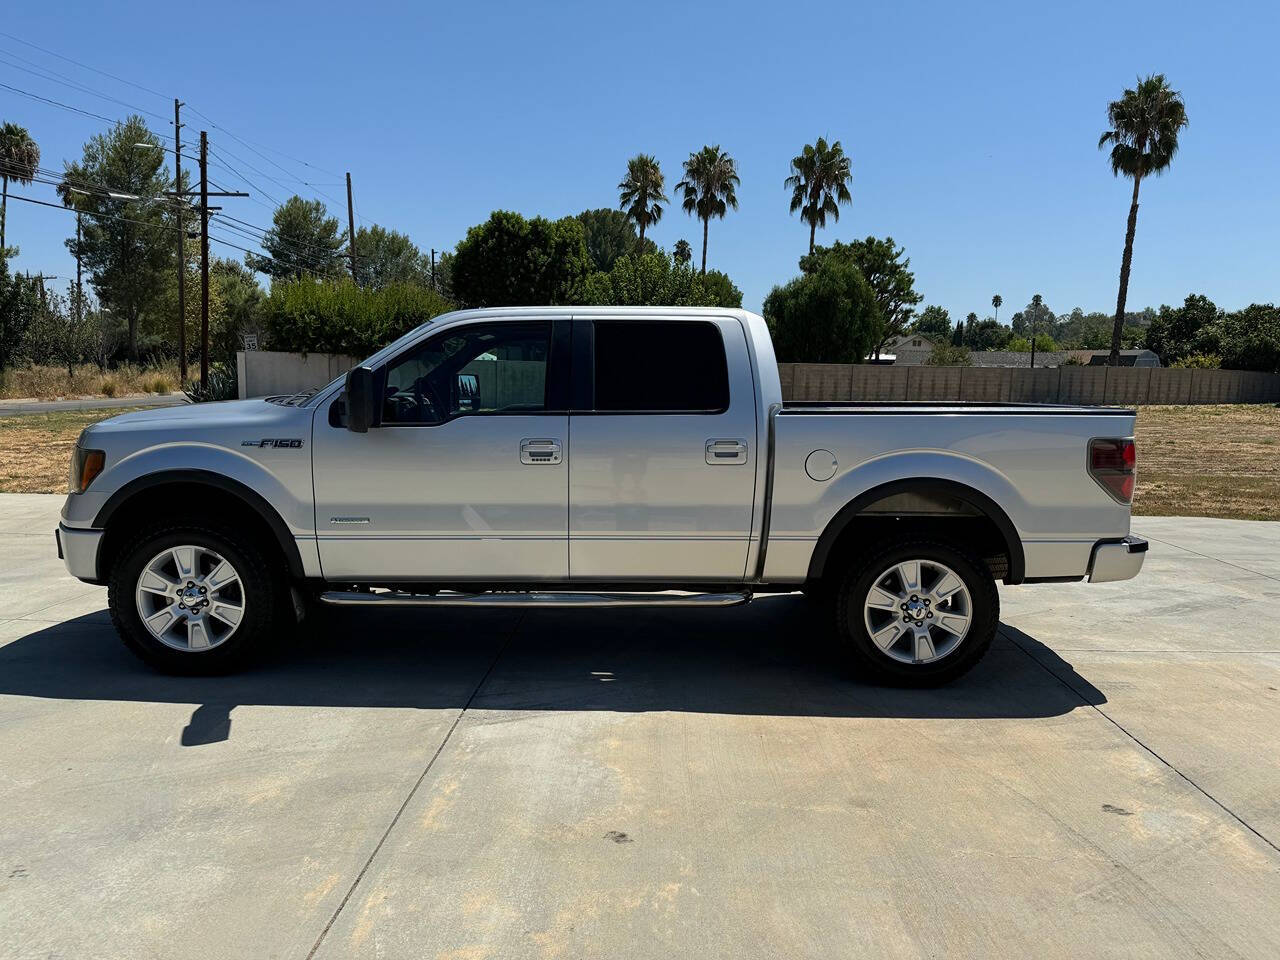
[466, 477]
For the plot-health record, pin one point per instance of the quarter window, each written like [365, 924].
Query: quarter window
[660, 366]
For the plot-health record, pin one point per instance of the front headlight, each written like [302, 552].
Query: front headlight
[85, 465]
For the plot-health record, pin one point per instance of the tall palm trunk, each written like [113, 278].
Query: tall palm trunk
[813, 228]
[1125, 264]
[642, 234]
[706, 222]
[4, 211]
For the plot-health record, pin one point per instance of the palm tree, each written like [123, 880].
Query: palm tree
[641, 192]
[1145, 123]
[19, 158]
[996, 301]
[682, 253]
[709, 186]
[819, 183]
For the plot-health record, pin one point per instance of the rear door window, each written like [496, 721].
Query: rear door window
[660, 366]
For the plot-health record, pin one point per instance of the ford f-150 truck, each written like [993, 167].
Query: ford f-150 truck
[592, 457]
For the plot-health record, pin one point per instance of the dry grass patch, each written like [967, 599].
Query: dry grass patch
[1219, 460]
[35, 450]
[52, 383]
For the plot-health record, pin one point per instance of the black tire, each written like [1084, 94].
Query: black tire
[851, 626]
[264, 593]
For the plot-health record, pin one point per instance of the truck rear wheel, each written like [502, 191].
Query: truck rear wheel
[917, 613]
[194, 598]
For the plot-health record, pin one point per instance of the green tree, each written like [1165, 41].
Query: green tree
[997, 302]
[641, 191]
[19, 160]
[127, 235]
[19, 303]
[986, 334]
[819, 183]
[683, 253]
[511, 261]
[1178, 332]
[887, 271]
[384, 257]
[721, 290]
[827, 316]
[1144, 125]
[303, 240]
[709, 187]
[653, 279]
[1035, 317]
[935, 323]
[957, 335]
[1250, 338]
[610, 234]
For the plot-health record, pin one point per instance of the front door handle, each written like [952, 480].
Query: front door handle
[726, 451]
[539, 451]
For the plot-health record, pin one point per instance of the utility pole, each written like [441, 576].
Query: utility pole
[204, 253]
[351, 229]
[79, 288]
[182, 245]
[433, 269]
[204, 260]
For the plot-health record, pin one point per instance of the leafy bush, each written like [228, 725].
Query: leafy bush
[827, 316]
[1198, 361]
[949, 355]
[339, 317]
[221, 385]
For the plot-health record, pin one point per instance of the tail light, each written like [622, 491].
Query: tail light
[1113, 463]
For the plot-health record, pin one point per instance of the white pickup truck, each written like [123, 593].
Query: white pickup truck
[592, 457]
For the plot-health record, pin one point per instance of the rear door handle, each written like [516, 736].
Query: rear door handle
[726, 451]
[539, 451]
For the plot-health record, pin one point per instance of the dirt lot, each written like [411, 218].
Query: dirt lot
[36, 448]
[1209, 461]
[1206, 461]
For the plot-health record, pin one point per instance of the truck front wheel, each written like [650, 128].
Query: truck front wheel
[917, 613]
[194, 598]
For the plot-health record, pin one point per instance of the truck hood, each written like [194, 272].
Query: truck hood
[226, 413]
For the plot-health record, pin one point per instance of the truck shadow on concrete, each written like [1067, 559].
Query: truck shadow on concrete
[768, 658]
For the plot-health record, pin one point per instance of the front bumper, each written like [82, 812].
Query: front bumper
[78, 549]
[1117, 559]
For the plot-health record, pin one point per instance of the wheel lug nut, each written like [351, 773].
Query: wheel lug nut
[929, 615]
[914, 598]
[926, 603]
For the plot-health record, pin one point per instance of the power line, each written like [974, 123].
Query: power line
[28, 43]
[59, 103]
[67, 82]
[89, 213]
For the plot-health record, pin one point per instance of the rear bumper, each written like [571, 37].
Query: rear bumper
[79, 551]
[1117, 559]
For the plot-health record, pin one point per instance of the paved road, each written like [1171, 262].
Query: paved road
[665, 784]
[9, 408]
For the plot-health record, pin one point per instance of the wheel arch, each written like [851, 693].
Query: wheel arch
[144, 495]
[937, 495]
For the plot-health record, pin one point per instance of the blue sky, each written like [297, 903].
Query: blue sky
[972, 128]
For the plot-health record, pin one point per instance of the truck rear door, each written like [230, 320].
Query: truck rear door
[662, 449]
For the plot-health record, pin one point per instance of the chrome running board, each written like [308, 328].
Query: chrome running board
[446, 598]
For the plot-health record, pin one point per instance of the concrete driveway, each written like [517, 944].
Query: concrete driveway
[666, 784]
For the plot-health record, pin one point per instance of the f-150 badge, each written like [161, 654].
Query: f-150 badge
[293, 443]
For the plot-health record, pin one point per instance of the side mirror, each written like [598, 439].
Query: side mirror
[361, 405]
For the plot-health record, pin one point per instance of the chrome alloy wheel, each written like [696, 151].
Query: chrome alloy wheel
[918, 611]
[190, 598]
